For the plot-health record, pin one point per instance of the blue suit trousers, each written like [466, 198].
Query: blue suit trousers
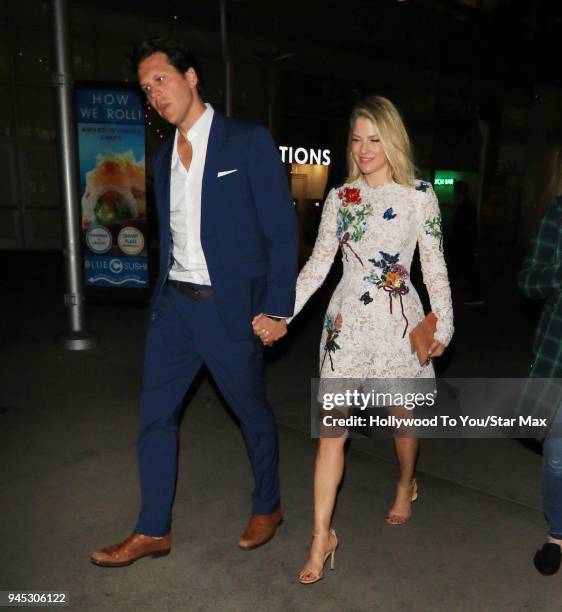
[182, 335]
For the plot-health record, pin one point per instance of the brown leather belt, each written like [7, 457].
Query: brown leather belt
[193, 291]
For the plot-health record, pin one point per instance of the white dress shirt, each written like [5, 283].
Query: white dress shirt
[189, 263]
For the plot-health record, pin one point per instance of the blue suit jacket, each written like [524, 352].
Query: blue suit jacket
[248, 224]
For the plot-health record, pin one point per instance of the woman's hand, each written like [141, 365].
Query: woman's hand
[436, 349]
[269, 330]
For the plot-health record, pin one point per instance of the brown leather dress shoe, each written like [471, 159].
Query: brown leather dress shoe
[130, 550]
[260, 529]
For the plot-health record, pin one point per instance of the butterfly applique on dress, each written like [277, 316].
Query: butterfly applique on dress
[366, 298]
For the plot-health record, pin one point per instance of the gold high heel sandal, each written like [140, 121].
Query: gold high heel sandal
[393, 518]
[330, 553]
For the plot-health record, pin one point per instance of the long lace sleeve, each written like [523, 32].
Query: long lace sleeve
[434, 269]
[319, 263]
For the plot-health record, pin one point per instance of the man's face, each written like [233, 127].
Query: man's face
[169, 92]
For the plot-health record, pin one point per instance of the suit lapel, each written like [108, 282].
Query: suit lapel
[162, 173]
[217, 137]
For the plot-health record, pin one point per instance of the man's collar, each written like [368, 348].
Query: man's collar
[201, 127]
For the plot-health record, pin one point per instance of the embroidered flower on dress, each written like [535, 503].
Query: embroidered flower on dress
[389, 214]
[333, 328]
[350, 195]
[387, 261]
[393, 274]
[392, 279]
[352, 222]
[433, 228]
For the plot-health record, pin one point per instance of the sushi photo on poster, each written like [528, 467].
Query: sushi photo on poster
[111, 151]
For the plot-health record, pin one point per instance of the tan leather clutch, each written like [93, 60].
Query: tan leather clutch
[421, 337]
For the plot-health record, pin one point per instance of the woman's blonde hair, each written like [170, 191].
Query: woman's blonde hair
[393, 136]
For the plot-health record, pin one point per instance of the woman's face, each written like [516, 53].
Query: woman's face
[368, 152]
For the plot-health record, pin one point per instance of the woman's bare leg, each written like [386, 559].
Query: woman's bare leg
[328, 472]
[406, 447]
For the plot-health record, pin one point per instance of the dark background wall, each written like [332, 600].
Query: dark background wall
[477, 82]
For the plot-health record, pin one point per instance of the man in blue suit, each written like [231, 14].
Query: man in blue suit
[228, 255]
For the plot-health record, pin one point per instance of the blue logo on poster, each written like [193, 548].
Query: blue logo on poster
[103, 271]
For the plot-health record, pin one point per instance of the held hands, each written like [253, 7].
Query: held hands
[268, 330]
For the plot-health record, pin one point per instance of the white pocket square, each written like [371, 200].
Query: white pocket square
[225, 172]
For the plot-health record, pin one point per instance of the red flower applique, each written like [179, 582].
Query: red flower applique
[350, 195]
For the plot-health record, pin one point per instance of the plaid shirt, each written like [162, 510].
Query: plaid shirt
[541, 278]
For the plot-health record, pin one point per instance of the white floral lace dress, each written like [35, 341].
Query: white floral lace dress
[375, 307]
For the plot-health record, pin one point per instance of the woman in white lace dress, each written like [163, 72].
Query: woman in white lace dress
[375, 219]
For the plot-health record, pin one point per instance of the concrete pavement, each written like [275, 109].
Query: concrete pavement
[68, 483]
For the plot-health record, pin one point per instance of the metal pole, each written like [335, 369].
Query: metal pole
[76, 338]
[227, 62]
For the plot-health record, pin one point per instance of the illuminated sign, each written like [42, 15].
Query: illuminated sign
[444, 181]
[301, 155]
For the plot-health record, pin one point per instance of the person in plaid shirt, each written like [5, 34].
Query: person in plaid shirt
[541, 278]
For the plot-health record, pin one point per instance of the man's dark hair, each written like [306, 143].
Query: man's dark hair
[178, 54]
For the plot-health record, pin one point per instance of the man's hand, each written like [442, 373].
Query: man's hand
[268, 330]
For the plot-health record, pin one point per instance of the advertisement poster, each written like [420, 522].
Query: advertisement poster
[111, 150]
